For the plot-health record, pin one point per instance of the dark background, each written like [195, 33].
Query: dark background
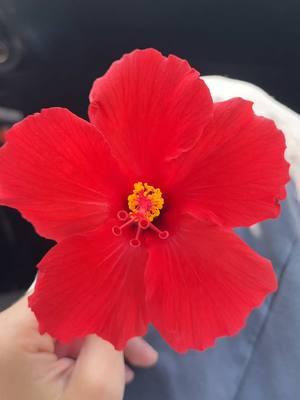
[51, 51]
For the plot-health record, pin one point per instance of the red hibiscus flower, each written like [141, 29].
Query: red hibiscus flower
[142, 202]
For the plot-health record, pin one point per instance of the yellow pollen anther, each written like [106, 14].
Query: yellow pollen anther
[146, 201]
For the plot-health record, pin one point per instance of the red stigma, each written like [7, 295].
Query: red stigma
[141, 223]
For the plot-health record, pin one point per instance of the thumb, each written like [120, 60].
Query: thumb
[99, 372]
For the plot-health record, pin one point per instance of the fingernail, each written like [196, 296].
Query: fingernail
[151, 353]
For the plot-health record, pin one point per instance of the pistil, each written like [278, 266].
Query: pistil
[145, 204]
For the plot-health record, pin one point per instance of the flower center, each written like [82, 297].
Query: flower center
[146, 201]
[145, 204]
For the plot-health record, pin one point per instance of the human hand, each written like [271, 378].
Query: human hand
[35, 367]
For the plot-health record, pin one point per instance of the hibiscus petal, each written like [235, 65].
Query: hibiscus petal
[92, 283]
[237, 172]
[56, 169]
[202, 283]
[150, 108]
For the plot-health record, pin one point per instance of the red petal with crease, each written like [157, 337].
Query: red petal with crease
[202, 283]
[92, 284]
[237, 172]
[150, 108]
[56, 169]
